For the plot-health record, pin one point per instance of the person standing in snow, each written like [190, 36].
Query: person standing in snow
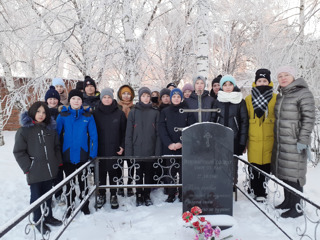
[125, 104]
[52, 98]
[207, 102]
[78, 133]
[294, 122]
[37, 151]
[111, 125]
[91, 96]
[59, 85]
[234, 115]
[170, 118]
[260, 106]
[142, 140]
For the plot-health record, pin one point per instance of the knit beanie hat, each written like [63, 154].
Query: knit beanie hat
[58, 81]
[176, 91]
[79, 85]
[89, 81]
[199, 78]
[171, 85]
[227, 78]
[144, 90]
[106, 91]
[287, 69]
[216, 80]
[263, 73]
[187, 86]
[52, 93]
[75, 92]
[165, 91]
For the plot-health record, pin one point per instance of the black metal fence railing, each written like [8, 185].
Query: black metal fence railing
[164, 168]
[305, 227]
[25, 217]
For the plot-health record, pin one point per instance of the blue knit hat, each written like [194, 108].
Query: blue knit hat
[227, 78]
[52, 93]
[176, 91]
[58, 81]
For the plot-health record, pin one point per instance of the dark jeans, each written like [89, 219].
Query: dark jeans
[259, 179]
[69, 168]
[37, 190]
[57, 180]
[146, 170]
[106, 166]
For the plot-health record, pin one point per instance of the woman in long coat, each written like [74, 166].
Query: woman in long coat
[295, 117]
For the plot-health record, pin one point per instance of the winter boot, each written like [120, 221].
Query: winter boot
[120, 192]
[114, 202]
[130, 192]
[139, 200]
[85, 208]
[291, 213]
[171, 198]
[286, 202]
[101, 200]
[43, 229]
[147, 200]
[53, 221]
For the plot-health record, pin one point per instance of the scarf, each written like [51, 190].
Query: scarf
[233, 97]
[126, 106]
[261, 97]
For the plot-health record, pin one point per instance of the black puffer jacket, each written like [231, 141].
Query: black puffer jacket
[170, 118]
[237, 120]
[37, 150]
[206, 102]
[142, 137]
[111, 127]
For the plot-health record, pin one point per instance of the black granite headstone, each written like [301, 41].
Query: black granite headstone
[207, 169]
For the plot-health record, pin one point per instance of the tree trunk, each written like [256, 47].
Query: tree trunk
[301, 63]
[202, 41]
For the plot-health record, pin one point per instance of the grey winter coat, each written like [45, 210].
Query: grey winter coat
[37, 150]
[142, 138]
[294, 121]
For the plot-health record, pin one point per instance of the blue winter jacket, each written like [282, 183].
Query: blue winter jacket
[78, 135]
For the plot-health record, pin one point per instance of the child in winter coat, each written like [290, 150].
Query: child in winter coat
[234, 115]
[37, 151]
[78, 133]
[142, 140]
[52, 98]
[164, 98]
[187, 90]
[294, 122]
[111, 125]
[207, 102]
[59, 85]
[125, 104]
[260, 106]
[170, 118]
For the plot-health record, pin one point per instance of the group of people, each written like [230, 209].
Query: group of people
[66, 130]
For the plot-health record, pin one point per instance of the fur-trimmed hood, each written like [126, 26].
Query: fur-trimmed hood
[26, 121]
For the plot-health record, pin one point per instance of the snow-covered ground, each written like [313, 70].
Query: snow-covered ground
[160, 221]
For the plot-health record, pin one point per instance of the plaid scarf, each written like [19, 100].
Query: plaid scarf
[261, 97]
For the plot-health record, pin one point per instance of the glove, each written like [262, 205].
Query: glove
[301, 147]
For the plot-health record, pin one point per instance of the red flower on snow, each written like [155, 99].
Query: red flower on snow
[196, 224]
[187, 216]
[196, 210]
[202, 219]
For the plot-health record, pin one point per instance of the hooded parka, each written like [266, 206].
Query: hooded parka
[294, 121]
[37, 150]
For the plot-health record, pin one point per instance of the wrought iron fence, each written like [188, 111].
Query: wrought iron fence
[82, 174]
[306, 227]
